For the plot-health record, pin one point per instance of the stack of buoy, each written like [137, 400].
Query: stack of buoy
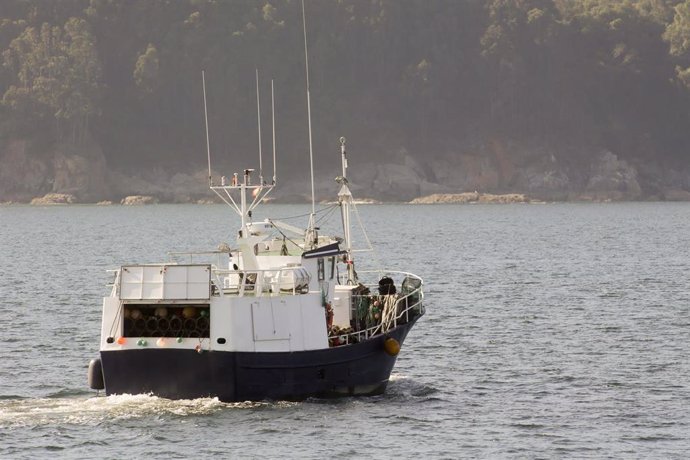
[341, 336]
[186, 321]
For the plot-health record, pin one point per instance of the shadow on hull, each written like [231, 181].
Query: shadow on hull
[358, 369]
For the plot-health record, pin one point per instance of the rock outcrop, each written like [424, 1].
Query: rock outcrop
[676, 195]
[612, 179]
[137, 200]
[79, 171]
[165, 186]
[491, 168]
[22, 175]
[503, 199]
[445, 198]
[54, 198]
[471, 197]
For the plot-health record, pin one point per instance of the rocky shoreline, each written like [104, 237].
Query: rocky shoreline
[473, 197]
[493, 173]
[62, 199]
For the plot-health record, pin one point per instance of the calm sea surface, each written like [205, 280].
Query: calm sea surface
[557, 330]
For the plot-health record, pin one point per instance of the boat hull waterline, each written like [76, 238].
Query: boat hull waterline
[361, 369]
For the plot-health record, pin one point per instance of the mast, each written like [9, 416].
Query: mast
[345, 200]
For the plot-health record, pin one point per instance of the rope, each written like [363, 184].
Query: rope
[285, 237]
[327, 216]
[115, 320]
[308, 214]
[389, 313]
[375, 254]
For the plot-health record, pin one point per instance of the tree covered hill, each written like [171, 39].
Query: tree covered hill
[556, 98]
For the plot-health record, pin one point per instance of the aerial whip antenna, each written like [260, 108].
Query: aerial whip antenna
[273, 122]
[258, 119]
[234, 193]
[208, 144]
[311, 154]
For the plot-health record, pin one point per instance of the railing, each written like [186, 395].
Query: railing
[115, 285]
[398, 308]
[245, 282]
[262, 282]
[201, 257]
[405, 306]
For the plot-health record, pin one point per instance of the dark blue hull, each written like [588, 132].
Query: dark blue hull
[358, 369]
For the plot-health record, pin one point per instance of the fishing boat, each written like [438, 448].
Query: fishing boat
[283, 314]
[279, 316]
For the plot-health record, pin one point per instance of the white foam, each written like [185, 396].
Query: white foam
[395, 377]
[94, 410]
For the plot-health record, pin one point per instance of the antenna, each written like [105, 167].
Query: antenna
[273, 122]
[208, 145]
[258, 119]
[311, 155]
[344, 158]
[259, 191]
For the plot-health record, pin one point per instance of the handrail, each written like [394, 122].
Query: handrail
[260, 281]
[195, 253]
[115, 286]
[365, 334]
[382, 273]
[173, 255]
[418, 304]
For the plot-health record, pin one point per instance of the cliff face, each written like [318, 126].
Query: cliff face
[536, 172]
[28, 171]
[61, 168]
[496, 96]
[22, 176]
[83, 172]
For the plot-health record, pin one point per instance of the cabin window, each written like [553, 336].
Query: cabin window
[322, 275]
[332, 261]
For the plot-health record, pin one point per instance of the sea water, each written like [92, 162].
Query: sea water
[556, 330]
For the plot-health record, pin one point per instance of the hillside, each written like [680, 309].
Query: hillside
[556, 99]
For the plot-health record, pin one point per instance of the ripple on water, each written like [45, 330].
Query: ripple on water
[58, 410]
[552, 331]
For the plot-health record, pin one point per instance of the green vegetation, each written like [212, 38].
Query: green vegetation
[432, 76]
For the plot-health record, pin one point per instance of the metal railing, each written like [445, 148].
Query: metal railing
[407, 305]
[115, 285]
[257, 283]
[260, 283]
[197, 257]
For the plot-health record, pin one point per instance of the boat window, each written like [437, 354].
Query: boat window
[322, 275]
[332, 261]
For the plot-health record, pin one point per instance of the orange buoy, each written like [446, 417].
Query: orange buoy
[189, 312]
[391, 346]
